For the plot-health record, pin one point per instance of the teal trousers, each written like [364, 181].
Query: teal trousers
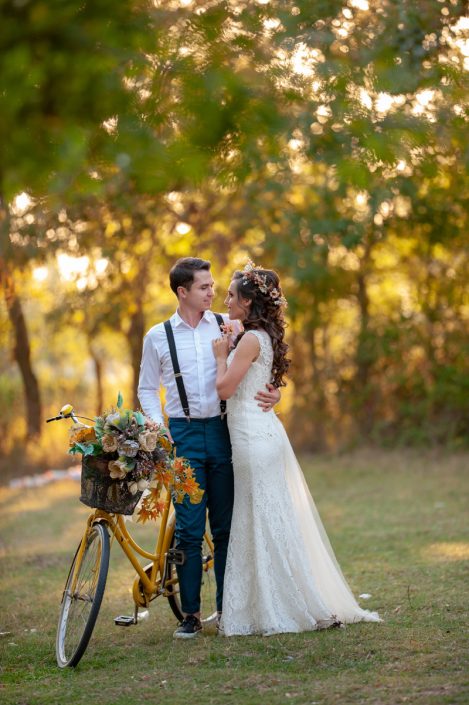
[206, 445]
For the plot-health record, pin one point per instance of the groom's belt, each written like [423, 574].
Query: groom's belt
[206, 419]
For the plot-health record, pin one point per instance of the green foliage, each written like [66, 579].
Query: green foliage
[326, 140]
[99, 426]
[85, 449]
[140, 419]
[62, 71]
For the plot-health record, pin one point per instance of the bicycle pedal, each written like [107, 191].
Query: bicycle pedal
[124, 621]
[176, 556]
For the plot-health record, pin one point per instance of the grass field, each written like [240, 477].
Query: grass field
[398, 523]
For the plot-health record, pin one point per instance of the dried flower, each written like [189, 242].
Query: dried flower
[133, 487]
[148, 440]
[117, 469]
[109, 443]
[227, 329]
[127, 447]
[113, 419]
[260, 281]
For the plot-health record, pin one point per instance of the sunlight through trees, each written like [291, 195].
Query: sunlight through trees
[325, 139]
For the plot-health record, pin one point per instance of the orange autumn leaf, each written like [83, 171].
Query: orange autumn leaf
[165, 443]
[147, 515]
[155, 492]
[196, 496]
[166, 478]
[160, 505]
[189, 485]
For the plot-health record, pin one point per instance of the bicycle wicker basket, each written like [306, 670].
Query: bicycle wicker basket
[100, 491]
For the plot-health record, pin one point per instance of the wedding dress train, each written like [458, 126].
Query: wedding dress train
[281, 572]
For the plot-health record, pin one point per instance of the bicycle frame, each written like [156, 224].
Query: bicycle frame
[154, 583]
[86, 581]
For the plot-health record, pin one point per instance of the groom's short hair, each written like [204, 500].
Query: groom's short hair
[182, 272]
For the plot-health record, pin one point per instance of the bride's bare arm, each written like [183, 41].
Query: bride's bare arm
[228, 378]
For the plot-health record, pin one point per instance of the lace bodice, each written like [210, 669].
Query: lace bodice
[259, 374]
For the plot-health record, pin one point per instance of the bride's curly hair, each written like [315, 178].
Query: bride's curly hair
[262, 288]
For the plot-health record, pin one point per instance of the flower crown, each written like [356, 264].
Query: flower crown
[260, 280]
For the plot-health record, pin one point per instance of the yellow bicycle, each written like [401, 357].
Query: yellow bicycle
[84, 588]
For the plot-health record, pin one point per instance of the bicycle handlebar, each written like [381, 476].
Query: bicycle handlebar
[70, 415]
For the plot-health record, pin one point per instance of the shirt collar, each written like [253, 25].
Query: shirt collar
[178, 321]
[208, 316]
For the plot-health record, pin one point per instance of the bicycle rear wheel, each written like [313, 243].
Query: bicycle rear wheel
[208, 589]
[81, 602]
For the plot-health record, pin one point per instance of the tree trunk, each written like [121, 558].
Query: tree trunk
[98, 369]
[307, 417]
[135, 338]
[365, 354]
[363, 357]
[22, 352]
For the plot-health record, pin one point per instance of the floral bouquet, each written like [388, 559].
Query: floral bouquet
[126, 454]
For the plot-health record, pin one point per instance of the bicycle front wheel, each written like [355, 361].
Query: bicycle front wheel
[82, 597]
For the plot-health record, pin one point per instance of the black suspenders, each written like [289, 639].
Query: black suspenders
[177, 371]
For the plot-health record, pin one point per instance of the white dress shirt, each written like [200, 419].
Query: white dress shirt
[197, 364]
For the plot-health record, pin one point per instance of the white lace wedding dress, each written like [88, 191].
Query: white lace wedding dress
[281, 573]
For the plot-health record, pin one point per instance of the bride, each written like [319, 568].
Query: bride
[281, 572]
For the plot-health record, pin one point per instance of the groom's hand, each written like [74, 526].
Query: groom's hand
[268, 399]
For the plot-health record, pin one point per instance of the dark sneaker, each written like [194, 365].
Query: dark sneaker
[189, 628]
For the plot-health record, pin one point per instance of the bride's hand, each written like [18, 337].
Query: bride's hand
[221, 347]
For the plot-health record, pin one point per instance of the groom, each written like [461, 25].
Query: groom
[178, 356]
